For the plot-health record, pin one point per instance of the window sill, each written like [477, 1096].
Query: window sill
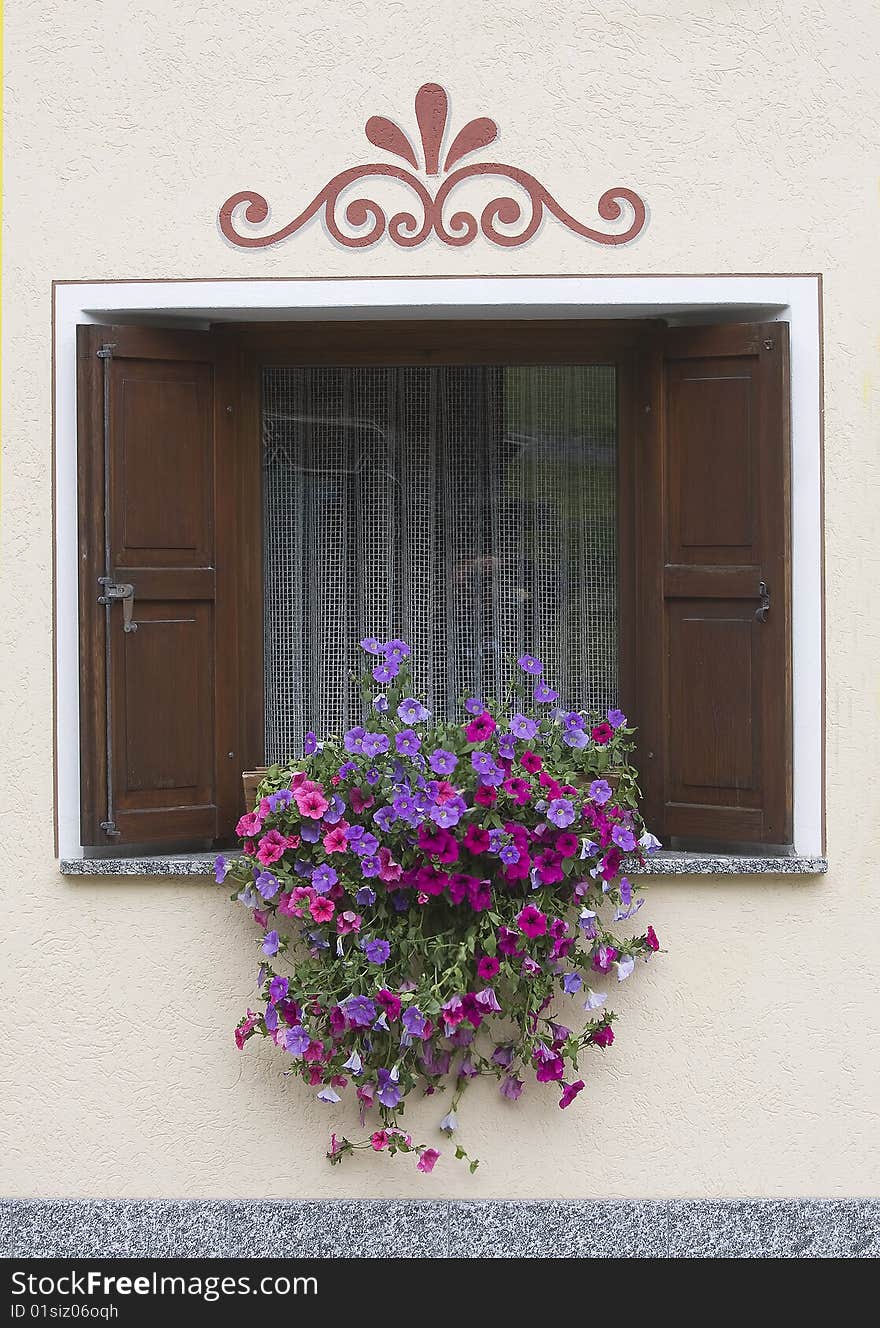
[664, 863]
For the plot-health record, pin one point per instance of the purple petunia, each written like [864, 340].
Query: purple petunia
[221, 867]
[623, 838]
[545, 694]
[388, 1092]
[575, 738]
[324, 878]
[360, 1010]
[474, 706]
[271, 943]
[310, 743]
[414, 1022]
[372, 645]
[511, 1087]
[377, 951]
[384, 818]
[407, 742]
[365, 896]
[600, 791]
[297, 1040]
[387, 672]
[571, 983]
[380, 702]
[370, 865]
[617, 719]
[561, 812]
[396, 650]
[353, 740]
[412, 711]
[523, 727]
[267, 884]
[442, 762]
[376, 744]
[530, 665]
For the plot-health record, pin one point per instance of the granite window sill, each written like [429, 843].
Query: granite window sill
[664, 863]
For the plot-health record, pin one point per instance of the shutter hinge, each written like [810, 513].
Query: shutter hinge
[769, 343]
[110, 828]
[106, 352]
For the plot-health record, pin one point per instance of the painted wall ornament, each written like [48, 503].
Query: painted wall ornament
[409, 229]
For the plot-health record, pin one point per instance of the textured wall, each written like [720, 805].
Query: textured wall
[747, 1060]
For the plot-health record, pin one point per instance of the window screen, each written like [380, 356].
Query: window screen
[469, 510]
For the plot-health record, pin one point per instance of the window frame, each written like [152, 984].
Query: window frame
[795, 299]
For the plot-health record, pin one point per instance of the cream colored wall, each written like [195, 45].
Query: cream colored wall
[747, 1060]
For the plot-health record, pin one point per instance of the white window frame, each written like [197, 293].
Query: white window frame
[795, 299]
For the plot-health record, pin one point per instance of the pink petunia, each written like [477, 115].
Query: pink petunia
[322, 908]
[519, 789]
[348, 921]
[249, 825]
[604, 1036]
[486, 795]
[311, 802]
[360, 800]
[651, 939]
[379, 1140]
[428, 1160]
[480, 728]
[271, 848]
[445, 791]
[531, 761]
[335, 840]
[389, 869]
[487, 968]
[245, 1029]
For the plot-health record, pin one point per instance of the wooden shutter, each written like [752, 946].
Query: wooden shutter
[159, 720]
[713, 519]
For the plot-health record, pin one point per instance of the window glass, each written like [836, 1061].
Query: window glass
[470, 510]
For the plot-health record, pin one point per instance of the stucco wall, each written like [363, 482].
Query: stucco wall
[747, 1059]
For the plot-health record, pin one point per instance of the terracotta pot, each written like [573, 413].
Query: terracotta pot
[250, 781]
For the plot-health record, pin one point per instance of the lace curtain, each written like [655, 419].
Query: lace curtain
[469, 510]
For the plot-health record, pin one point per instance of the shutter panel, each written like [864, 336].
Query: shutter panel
[157, 716]
[715, 671]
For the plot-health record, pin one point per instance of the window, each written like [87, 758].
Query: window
[612, 496]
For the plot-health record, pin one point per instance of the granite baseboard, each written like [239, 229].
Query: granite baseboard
[418, 1229]
[201, 865]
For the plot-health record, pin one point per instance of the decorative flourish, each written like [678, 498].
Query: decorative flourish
[520, 216]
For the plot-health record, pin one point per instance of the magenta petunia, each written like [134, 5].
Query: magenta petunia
[531, 921]
[428, 1159]
[480, 728]
[570, 1092]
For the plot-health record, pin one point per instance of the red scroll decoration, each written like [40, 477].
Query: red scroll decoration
[408, 229]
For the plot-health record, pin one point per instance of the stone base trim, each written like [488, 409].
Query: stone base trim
[413, 1229]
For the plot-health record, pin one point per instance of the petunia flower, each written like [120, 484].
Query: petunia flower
[487, 968]
[600, 791]
[616, 718]
[372, 645]
[530, 665]
[442, 762]
[322, 909]
[387, 672]
[481, 727]
[377, 951]
[407, 742]
[531, 921]
[603, 1037]
[328, 1095]
[602, 734]
[360, 1010]
[544, 694]
[354, 1063]
[449, 1123]
[570, 1092]
[297, 1040]
[523, 727]
[428, 1159]
[474, 706]
[571, 983]
[412, 711]
[221, 867]
[651, 939]
[595, 1000]
[625, 966]
[511, 1087]
[396, 650]
[271, 943]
